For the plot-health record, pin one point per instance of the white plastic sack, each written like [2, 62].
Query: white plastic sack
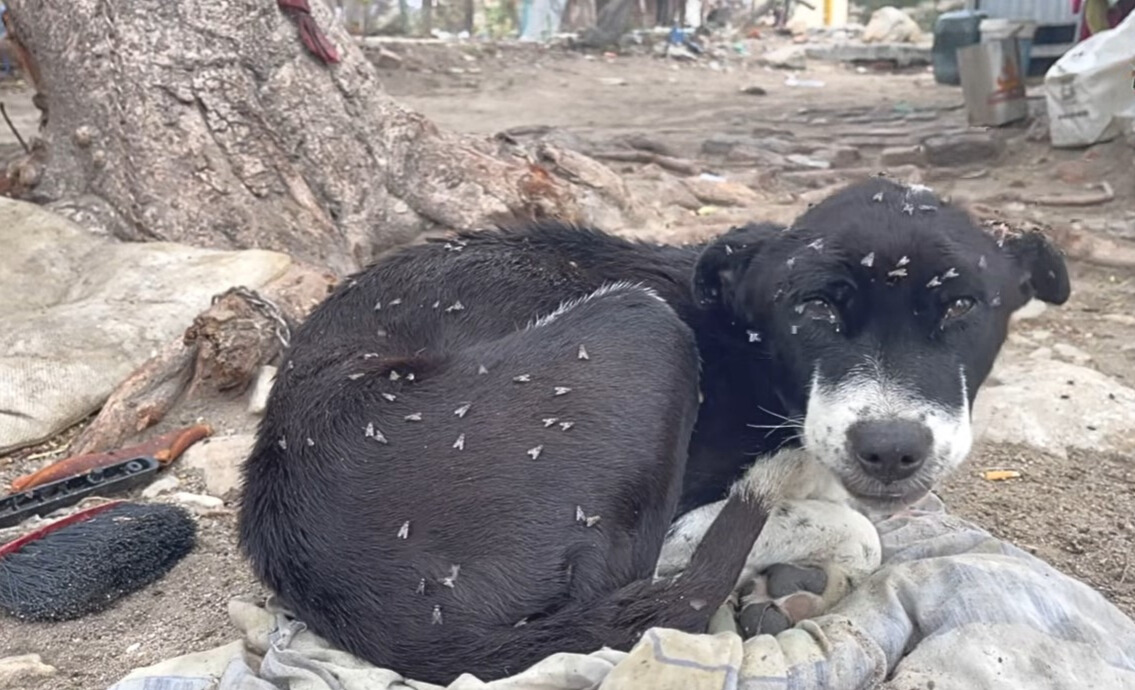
[1089, 90]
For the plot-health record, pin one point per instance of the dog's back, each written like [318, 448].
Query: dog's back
[445, 483]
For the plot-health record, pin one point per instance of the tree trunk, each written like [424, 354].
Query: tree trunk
[579, 15]
[427, 17]
[208, 123]
[612, 22]
[471, 11]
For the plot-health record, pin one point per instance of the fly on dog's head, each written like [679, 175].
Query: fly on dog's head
[879, 314]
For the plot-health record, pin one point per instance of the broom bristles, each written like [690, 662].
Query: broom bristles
[84, 567]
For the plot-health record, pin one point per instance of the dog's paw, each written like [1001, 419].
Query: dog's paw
[783, 579]
[782, 596]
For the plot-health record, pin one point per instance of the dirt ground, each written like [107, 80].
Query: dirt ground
[1076, 513]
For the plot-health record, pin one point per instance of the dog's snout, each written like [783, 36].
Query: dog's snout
[890, 450]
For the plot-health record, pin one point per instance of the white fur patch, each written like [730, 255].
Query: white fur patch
[606, 289]
[812, 522]
[869, 394]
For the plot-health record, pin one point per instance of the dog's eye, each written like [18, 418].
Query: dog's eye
[818, 310]
[958, 308]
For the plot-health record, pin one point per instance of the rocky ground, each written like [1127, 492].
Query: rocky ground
[719, 140]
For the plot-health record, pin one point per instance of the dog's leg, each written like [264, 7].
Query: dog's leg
[813, 550]
[810, 555]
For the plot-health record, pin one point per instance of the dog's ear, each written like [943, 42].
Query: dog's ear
[722, 262]
[1042, 271]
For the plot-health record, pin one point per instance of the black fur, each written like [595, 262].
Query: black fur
[338, 468]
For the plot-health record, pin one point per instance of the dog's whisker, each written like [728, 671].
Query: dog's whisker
[777, 415]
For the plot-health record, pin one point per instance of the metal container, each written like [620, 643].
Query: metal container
[992, 83]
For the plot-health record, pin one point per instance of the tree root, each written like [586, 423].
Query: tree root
[219, 354]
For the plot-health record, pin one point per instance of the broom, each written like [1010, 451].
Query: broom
[83, 563]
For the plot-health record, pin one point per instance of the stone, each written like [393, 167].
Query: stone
[1071, 353]
[720, 193]
[808, 162]
[261, 387]
[161, 486]
[968, 148]
[1031, 310]
[200, 501]
[721, 144]
[900, 55]
[219, 459]
[1125, 319]
[891, 25]
[671, 191]
[1053, 406]
[902, 155]
[839, 156]
[788, 57]
[23, 668]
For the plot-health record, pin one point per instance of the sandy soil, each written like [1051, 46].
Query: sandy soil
[1076, 513]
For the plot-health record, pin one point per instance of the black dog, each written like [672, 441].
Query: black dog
[474, 449]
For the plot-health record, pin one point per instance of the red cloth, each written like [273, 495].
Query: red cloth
[310, 33]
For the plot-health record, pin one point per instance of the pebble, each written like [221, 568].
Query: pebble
[199, 500]
[1033, 309]
[219, 459]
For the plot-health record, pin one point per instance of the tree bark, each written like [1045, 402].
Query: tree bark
[427, 17]
[208, 123]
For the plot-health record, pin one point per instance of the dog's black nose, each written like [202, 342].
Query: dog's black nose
[890, 450]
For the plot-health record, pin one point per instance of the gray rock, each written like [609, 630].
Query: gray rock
[219, 459]
[1053, 406]
[1071, 353]
[891, 25]
[839, 156]
[902, 155]
[23, 668]
[899, 54]
[808, 162]
[198, 501]
[1033, 309]
[786, 57]
[721, 144]
[969, 148]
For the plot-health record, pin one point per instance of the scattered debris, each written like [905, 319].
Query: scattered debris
[1000, 475]
[198, 501]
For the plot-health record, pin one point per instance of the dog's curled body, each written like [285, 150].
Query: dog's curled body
[468, 478]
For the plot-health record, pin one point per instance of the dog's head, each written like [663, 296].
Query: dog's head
[879, 313]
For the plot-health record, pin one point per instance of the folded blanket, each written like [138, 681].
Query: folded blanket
[950, 608]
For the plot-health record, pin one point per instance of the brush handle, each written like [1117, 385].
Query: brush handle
[16, 544]
[165, 449]
[47, 498]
